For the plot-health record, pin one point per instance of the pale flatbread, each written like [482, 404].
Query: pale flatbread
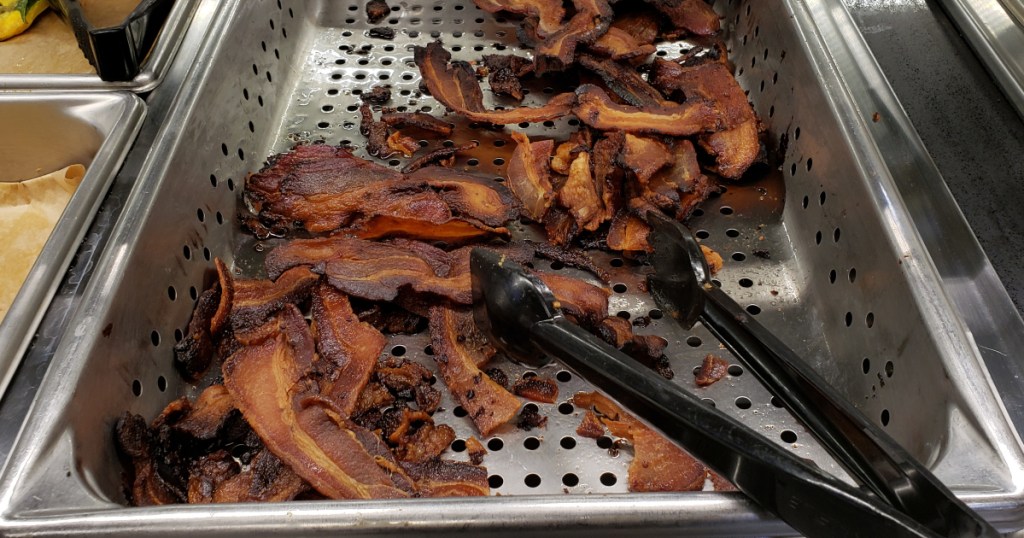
[28, 212]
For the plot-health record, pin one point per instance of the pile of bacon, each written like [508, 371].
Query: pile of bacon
[305, 403]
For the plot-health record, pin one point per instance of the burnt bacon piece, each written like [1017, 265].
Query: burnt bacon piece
[531, 418]
[391, 319]
[571, 256]
[327, 188]
[711, 370]
[381, 32]
[504, 72]
[193, 355]
[529, 175]
[376, 133]
[658, 464]
[216, 478]
[549, 14]
[348, 347]
[269, 385]
[444, 156]
[608, 178]
[624, 81]
[418, 120]
[557, 51]
[536, 388]
[377, 271]
[628, 233]
[560, 227]
[440, 478]
[487, 403]
[693, 16]
[376, 10]
[256, 300]
[597, 110]
[208, 415]
[378, 95]
[454, 84]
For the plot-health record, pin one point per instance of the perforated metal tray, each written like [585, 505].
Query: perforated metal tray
[822, 251]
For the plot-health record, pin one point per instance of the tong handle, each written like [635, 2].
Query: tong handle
[810, 501]
[865, 450]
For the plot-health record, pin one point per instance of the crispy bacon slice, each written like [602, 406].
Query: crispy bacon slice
[548, 13]
[443, 156]
[350, 348]
[208, 415]
[488, 404]
[591, 20]
[257, 300]
[529, 175]
[658, 464]
[628, 233]
[440, 478]
[192, 356]
[597, 110]
[579, 194]
[453, 231]
[735, 150]
[644, 156]
[608, 177]
[454, 84]
[707, 81]
[624, 81]
[337, 457]
[471, 196]
[694, 16]
[560, 226]
[618, 44]
[375, 271]
[536, 388]
[641, 24]
[585, 302]
[417, 119]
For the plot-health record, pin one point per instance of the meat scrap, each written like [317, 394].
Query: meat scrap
[556, 51]
[376, 10]
[444, 156]
[713, 259]
[416, 119]
[529, 175]
[619, 44]
[658, 464]
[504, 72]
[378, 95]
[400, 143]
[376, 133]
[579, 194]
[536, 388]
[711, 370]
[693, 16]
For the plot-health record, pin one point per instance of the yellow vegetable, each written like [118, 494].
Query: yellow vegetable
[17, 15]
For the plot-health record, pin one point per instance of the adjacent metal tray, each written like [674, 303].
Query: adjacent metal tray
[47, 131]
[848, 282]
[153, 69]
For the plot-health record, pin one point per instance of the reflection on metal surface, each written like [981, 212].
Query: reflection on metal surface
[995, 28]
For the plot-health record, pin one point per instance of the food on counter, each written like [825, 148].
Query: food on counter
[320, 409]
[16, 16]
[29, 210]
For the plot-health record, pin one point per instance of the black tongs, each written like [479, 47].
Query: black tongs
[117, 52]
[518, 314]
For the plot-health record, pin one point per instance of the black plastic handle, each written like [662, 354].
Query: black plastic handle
[865, 450]
[810, 501]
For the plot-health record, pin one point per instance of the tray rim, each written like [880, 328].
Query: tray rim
[26, 312]
[817, 17]
[153, 70]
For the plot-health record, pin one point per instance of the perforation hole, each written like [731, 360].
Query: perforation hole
[570, 480]
[531, 443]
[788, 436]
[495, 481]
[746, 282]
[566, 408]
[743, 402]
[609, 479]
[161, 384]
[869, 320]
[619, 288]
[865, 365]
[495, 444]
[885, 417]
[137, 387]
[398, 350]
[531, 480]
[567, 443]
[694, 341]
[563, 376]
[889, 367]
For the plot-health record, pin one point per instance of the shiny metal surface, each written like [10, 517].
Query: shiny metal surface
[153, 69]
[63, 466]
[995, 29]
[45, 132]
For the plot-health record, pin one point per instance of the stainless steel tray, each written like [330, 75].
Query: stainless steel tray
[153, 69]
[848, 282]
[47, 131]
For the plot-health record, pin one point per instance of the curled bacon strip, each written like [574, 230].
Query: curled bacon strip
[597, 110]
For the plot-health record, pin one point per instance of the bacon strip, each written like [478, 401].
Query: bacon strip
[592, 19]
[376, 271]
[529, 174]
[658, 464]
[597, 110]
[454, 84]
[618, 44]
[581, 300]
[340, 459]
[208, 414]
[579, 194]
[418, 120]
[694, 16]
[628, 233]
[440, 478]
[548, 13]
[644, 156]
[488, 404]
[624, 81]
[256, 300]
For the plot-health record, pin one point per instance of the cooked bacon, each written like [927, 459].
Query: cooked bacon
[548, 13]
[649, 350]
[257, 300]
[628, 233]
[193, 354]
[658, 464]
[337, 457]
[454, 84]
[560, 226]
[400, 143]
[216, 478]
[694, 16]
[374, 396]
[597, 110]
[227, 297]
[563, 157]
[476, 451]
[585, 302]
[713, 258]
[590, 426]
[556, 52]
[376, 133]
[571, 256]
[452, 231]
[349, 347]
[440, 478]
[426, 443]
[579, 194]
[707, 81]
[644, 156]
[641, 24]
[376, 10]
[147, 487]
[624, 81]
[503, 73]
[529, 175]
[471, 196]
[208, 414]
[536, 388]
[488, 404]
[618, 44]
[608, 177]
[378, 95]
[373, 270]
[530, 418]
[401, 375]
[615, 330]
[711, 370]
[445, 156]
[735, 150]
[418, 120]
[391, 319]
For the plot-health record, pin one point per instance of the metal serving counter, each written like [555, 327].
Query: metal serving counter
[975, 146]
